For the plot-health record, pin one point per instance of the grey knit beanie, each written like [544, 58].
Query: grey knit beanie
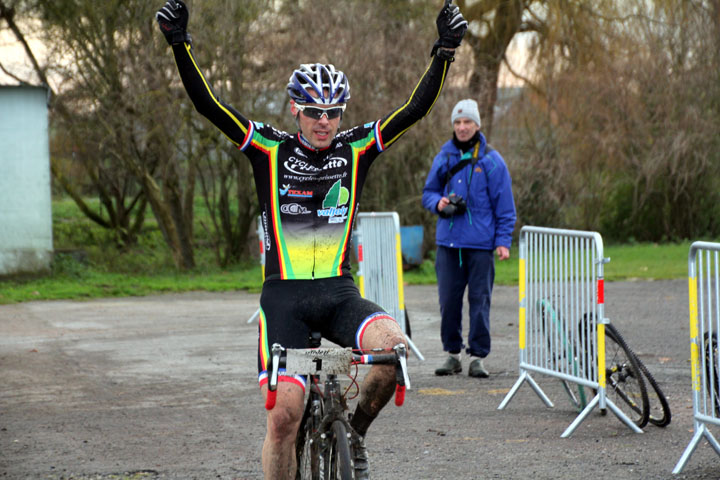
[467, 108]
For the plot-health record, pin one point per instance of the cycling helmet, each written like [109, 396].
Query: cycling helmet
[331, 85]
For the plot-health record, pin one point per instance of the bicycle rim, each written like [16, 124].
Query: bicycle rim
[625, 385]
[338, 462]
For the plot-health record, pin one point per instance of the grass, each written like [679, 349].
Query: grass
[100, 271]
[91, 283]
[72, 279]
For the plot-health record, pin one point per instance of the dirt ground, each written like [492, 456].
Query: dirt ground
[166, 387]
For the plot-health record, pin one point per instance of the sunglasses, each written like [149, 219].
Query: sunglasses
[316, 113]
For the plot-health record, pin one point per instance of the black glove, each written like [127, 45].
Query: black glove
[173, 20]
[451, 26]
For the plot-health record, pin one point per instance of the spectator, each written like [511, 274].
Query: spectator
[469, 187]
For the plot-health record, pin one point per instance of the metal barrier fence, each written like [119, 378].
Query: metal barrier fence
[704, 302]
[380, 273]
[562, 315]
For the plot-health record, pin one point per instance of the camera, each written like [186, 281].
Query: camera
[457, 206]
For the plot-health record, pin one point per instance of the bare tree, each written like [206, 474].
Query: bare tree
[630, 92]
[127, 124]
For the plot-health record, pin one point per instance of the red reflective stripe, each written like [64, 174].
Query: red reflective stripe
[601, 291]
[360, 253]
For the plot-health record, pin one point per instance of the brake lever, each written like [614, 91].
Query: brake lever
[273, 380]
[401, 376]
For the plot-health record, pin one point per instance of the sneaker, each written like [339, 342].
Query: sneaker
[360, 460]
[451, 366]
[477, 369]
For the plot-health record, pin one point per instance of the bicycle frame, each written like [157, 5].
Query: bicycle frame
[322, 410]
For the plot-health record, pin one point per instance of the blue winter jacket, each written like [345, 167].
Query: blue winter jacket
[486, 187]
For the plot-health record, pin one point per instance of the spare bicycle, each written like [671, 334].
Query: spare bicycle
[326, 443]
[631, 386]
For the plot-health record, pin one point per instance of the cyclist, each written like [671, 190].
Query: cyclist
[309, 185]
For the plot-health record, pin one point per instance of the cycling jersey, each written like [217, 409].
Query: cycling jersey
[308, 198]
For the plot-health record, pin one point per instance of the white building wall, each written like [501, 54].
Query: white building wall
[25, 203]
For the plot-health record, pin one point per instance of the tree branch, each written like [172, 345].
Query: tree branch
[9, 74]
[78, 198]
[8, 13]
[527, 81]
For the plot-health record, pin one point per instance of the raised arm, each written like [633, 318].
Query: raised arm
[451, 28]
[173, 19]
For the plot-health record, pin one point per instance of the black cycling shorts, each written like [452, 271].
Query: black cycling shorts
[291, 309]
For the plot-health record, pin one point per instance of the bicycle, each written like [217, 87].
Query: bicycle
[627, 375]
[575, 391]
[326, 442]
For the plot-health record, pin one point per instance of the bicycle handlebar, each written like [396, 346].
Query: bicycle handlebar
[397, 358]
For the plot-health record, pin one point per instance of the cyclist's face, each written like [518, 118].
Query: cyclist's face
[465, 129]
[319, 133]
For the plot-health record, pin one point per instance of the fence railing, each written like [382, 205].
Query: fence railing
[380, 272]
[562, 316]
[704, 302]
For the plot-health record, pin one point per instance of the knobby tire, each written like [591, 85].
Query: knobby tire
[339, 462]
[660, 414]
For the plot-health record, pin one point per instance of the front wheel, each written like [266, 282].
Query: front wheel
[338, 462]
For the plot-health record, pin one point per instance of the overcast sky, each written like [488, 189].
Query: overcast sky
[14, 59]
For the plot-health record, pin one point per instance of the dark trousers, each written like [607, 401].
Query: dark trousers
[457, 268]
